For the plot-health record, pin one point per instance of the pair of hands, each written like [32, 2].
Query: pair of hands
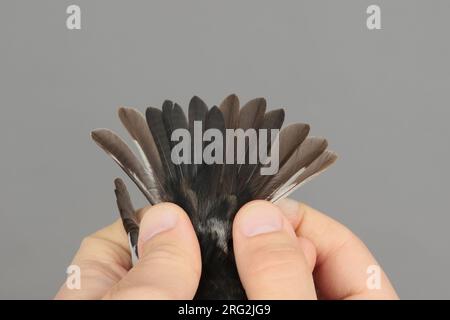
[283, 251]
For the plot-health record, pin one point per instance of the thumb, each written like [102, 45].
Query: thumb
[169, 265]
[269, 257]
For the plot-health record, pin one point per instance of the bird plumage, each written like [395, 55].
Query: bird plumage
[211, 194]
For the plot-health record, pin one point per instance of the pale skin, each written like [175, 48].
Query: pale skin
[283, 251]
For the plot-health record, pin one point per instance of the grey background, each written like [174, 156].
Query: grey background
[381, 97]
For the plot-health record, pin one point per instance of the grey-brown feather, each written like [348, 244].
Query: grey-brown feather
[122, 154]
[305, 154]
[127, 212]
[137, 127]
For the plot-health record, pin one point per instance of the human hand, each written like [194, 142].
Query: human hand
[169, 263]
[279, 250]
[299, 253]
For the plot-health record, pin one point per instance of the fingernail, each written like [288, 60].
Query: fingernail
[289, 207]
[260, 218]
[157, 220]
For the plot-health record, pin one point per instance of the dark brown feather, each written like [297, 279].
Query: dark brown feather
[272, 120]
[230, 111]
[289, 139]
[252, 113]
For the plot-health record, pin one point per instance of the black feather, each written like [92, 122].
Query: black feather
[179, 121]
[172, 121]
[230, 110]
[156, 125]
[167, 108]
[211, 172]
[197, 112]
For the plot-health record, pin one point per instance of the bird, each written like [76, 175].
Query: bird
[210, 193]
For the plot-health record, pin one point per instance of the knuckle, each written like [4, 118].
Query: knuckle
[276, 259]
[87, 241]
[169, 255]
[163, 251]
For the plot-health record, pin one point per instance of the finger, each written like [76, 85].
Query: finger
[345, 268]
[309, 251]
[169, 263]
[102, 260]
[307, 246]
[269, 257]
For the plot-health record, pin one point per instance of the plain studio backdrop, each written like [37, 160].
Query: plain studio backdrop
[381, 97]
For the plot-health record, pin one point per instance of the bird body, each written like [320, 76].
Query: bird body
[178, 170]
